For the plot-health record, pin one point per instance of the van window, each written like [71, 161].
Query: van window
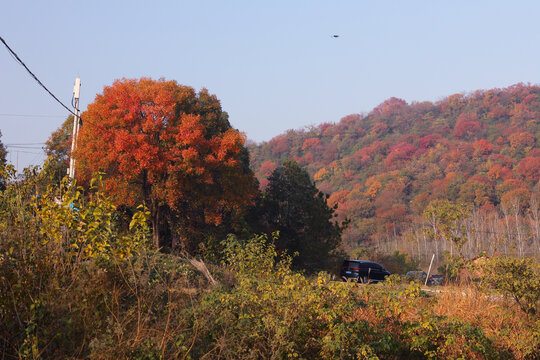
[350, 264]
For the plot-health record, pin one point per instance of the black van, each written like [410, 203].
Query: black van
[363, 271]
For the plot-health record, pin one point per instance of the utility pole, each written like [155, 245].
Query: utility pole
[76, 122]
[429, 270]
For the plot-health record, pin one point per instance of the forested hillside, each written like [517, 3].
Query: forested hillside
[384, 168]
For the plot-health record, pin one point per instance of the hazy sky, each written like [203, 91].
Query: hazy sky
[273, 64]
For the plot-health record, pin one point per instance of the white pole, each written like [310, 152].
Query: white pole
[75, 133]
[429, 270]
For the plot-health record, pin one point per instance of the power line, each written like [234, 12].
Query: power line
[34, 76]
[19, 144]
[23, 147]
[27, 152]
[34, 115]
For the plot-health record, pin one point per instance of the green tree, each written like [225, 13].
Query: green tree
[294, 207]
[519, 278]
[58, 148]
[445, 220]
[3, 163]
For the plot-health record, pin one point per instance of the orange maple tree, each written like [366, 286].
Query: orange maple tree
[163, 144]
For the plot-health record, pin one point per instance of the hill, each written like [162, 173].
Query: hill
[382, 169]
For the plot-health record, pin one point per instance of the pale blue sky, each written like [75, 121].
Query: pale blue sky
[273, 64]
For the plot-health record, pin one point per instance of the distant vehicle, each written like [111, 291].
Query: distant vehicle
[436, 280]
[420, 277]
[363, 271]
[417, 276]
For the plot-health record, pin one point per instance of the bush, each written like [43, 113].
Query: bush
[72, 285]
[452, 267]
[518, 278]
[273, 313]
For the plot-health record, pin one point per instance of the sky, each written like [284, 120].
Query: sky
[274, 65]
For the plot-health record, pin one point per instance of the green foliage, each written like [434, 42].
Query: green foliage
[452, 266]
[270, 312]
[444, 219]
[518, 278]
[45, 249]
[57, 149]
[292, 205]
[85, 224]
[440, 338]
[253, 258]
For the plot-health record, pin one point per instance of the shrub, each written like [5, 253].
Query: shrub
[452, 267]
[73, 285]
[518, 278]
[273, 313]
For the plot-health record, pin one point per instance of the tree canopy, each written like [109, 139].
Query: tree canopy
[292, 205]
[57, 149]
[163, 144]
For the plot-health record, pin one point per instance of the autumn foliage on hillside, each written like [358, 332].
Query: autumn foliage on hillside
[384, 168]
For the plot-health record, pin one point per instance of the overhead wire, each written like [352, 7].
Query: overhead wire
[28, 152]
[23, 147]
[17, 144]
[33, 115]
[34, 76]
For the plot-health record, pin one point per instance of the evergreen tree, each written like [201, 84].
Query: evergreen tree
[292, 205]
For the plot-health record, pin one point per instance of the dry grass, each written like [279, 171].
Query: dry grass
[470, 304]
[499, 317]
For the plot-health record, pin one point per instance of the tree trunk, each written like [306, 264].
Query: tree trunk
[161, 232]
[156, 219]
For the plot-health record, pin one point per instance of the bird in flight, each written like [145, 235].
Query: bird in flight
[335, 36]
